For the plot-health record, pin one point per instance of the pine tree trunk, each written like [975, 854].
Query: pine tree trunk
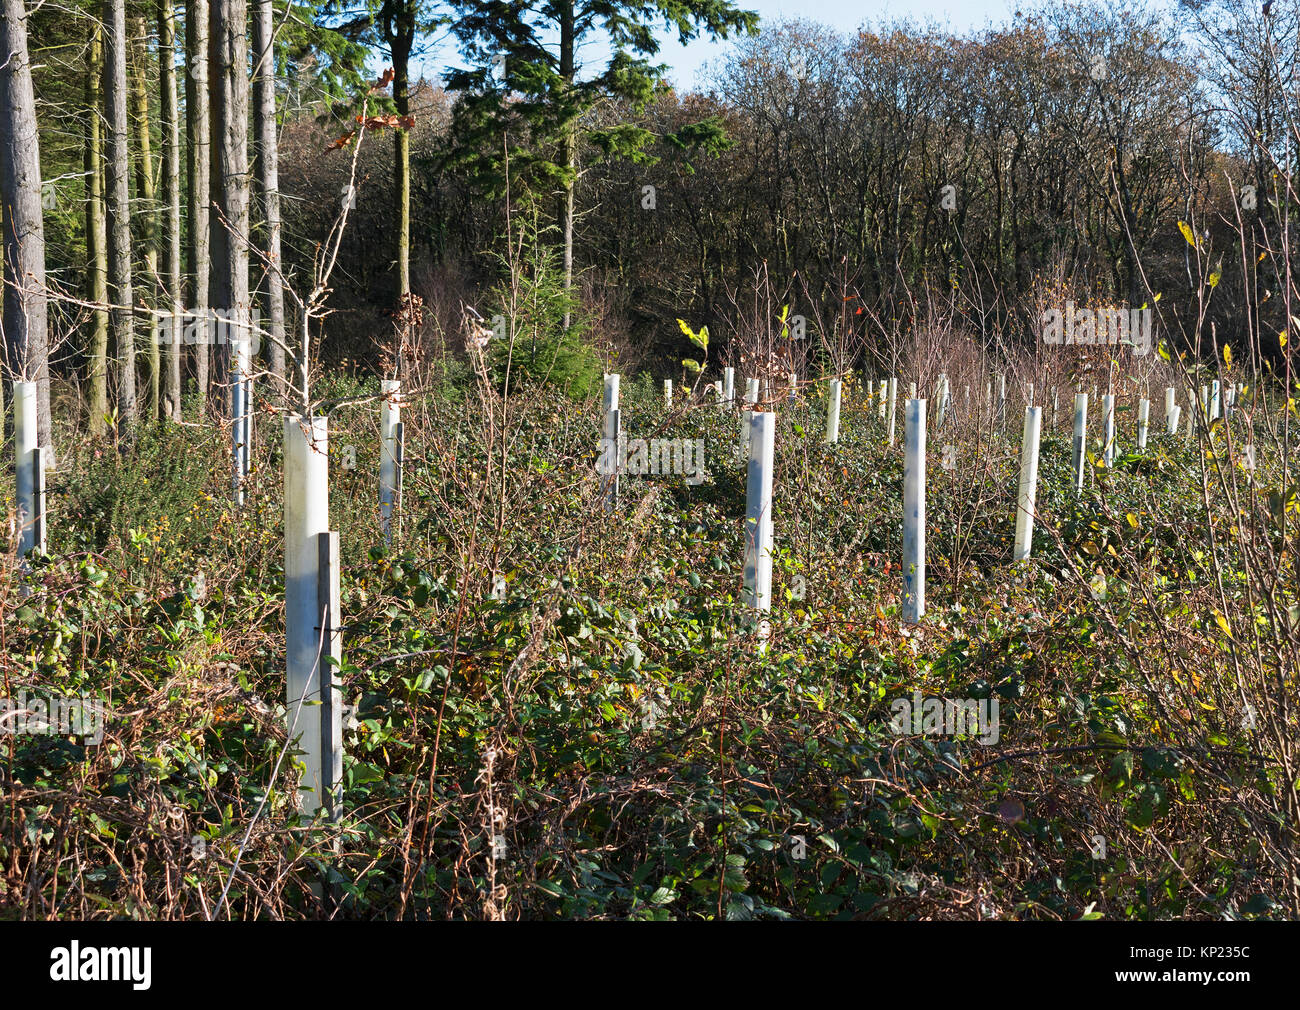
[121, 317]
[228, 291]
[173, 297]
[146, 207]
[26, 340]
[268, 175]
[96, 238]
[198, 137]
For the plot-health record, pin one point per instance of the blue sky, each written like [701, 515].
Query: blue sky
[843, 15]
[686, 62]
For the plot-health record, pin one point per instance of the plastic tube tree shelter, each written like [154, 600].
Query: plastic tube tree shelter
[1028, 493]
[29, 471]
[893, 407]
[241, 408]
[914, 512]
[833, 411]
[1108, 428]
[313, 716]
[729, 386]
[610, 430]
[668, 392]
[1144, 415]
[1080, 438]
[941, 394]
[390, 453]
[758, 516]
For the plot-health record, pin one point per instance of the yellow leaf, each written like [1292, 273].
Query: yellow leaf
[1187, 234]
[1132, 520]
[1222, 622]
[1281, 339]
[1214, 278]
[1227, 355]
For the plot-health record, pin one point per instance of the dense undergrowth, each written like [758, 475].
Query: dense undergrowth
[604, 739]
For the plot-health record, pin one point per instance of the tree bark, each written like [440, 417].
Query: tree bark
[146, 289]
[173, 297]
[568, 71]
[198, 137]
[121, 317]
[26, 338]
[96, 237]
[401, 40]
[228, 291]
[268, 175]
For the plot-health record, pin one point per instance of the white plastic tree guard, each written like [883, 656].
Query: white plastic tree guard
[729, 387]
[1215, 406]
[1171, 419]
[1174, 418]
[1054, 406]
[610, 430]
[718, 395]
[1002, 400]
[914, 512]
[833, 412]
[241, 411]
[668, 392]
[312, 718]
[29, 471]
[941, 391]
[1080, 438]
[1028, 493]
[893, 407]
[390, 419]
[758, 511]
[882, 388]
[794, 385]
[1108, 428]
[1144, 417]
